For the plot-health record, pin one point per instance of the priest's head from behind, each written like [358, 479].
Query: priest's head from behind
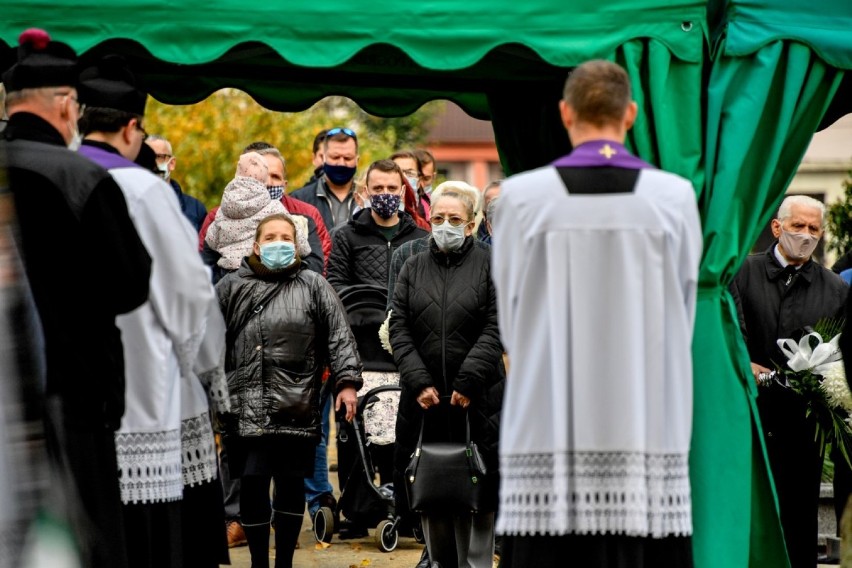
[597, 103]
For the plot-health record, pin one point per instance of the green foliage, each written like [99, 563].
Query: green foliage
[839, 220]
[207, 137]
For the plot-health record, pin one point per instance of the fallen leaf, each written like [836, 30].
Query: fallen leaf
[366, 562]
[322, 545]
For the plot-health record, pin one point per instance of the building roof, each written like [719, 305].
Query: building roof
[455, 126]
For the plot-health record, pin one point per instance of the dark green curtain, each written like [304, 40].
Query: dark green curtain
[762, 110]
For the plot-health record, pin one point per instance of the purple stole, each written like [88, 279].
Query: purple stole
[601, 153]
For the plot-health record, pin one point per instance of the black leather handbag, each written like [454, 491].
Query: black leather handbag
[446, 477]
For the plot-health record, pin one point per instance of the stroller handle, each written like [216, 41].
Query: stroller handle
[372, 394]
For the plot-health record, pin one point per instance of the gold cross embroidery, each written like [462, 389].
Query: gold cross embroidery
[607, 151]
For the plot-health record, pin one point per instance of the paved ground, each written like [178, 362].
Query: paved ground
[355, 553]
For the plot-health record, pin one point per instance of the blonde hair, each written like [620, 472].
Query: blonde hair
[474, 198]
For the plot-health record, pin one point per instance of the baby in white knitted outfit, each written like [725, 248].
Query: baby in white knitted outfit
[244, 203]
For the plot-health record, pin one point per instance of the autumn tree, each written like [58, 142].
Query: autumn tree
[208, 137]
[839, 220]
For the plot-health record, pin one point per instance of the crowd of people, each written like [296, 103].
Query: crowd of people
[184, 382]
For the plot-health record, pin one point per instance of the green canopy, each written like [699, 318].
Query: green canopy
[729, 91]
[289, 53]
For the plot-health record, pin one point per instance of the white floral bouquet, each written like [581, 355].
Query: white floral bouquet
[815, 371]
[384, 334]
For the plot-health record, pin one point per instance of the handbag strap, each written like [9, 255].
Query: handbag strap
[466, 428]
[233, 335]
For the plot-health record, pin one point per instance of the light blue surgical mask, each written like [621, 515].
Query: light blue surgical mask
[447, 237]
[277, 255]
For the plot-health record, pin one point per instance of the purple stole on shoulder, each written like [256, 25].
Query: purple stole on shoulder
[601, 153]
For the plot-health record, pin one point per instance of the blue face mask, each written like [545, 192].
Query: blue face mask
[277, 255]
[339, 175]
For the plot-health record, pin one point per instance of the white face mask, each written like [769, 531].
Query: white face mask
[164, 170]
[76, 139]
[447, 237]
[798, 246]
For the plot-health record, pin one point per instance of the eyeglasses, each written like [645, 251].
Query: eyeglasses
[141, 129]
[163, 156]
[346, 131]
[454, 220]
[411, 174]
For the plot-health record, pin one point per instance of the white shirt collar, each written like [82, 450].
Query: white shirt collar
[782, 260]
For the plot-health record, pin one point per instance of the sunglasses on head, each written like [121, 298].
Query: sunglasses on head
[347, 131]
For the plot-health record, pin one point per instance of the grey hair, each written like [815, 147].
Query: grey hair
[273, 151]
[158, 138]
[786, 209]
[468, 194]
[17, 97]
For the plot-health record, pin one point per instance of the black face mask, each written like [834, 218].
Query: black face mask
[339, 175]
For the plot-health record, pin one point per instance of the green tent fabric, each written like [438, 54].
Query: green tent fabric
[732, 114]
[754, 145]
[289, 53]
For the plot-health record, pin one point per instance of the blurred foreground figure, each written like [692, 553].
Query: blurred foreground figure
[69, 209]
[595, 263]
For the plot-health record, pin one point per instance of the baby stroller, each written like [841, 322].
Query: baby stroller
[362, 502]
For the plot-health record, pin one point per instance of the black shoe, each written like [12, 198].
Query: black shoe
[498, 545]
[424, 559]
[350, 530]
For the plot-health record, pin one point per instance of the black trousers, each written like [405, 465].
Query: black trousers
[796, 465]
[598, 551]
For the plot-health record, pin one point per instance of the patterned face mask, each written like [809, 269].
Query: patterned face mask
[385, 204]
[276, 192]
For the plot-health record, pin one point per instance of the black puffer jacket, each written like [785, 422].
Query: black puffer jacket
[360, 253]
[444, 334]
[275, 363]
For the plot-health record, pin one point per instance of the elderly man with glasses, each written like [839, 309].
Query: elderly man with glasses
[191, 207]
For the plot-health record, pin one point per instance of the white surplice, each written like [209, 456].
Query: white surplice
[161, 345]
[596, 296]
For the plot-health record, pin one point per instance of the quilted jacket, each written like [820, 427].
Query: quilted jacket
[360, 253]
[444, 334]
[275, 362]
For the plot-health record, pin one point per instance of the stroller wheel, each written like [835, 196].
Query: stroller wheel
[323, 524]
[387, 537]
[418, 534]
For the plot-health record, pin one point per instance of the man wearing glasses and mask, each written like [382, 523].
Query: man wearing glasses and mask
[191, 207]
[333, 193]
[68, 209]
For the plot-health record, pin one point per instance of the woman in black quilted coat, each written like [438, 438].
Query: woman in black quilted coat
[445, 341]
[285, 324]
